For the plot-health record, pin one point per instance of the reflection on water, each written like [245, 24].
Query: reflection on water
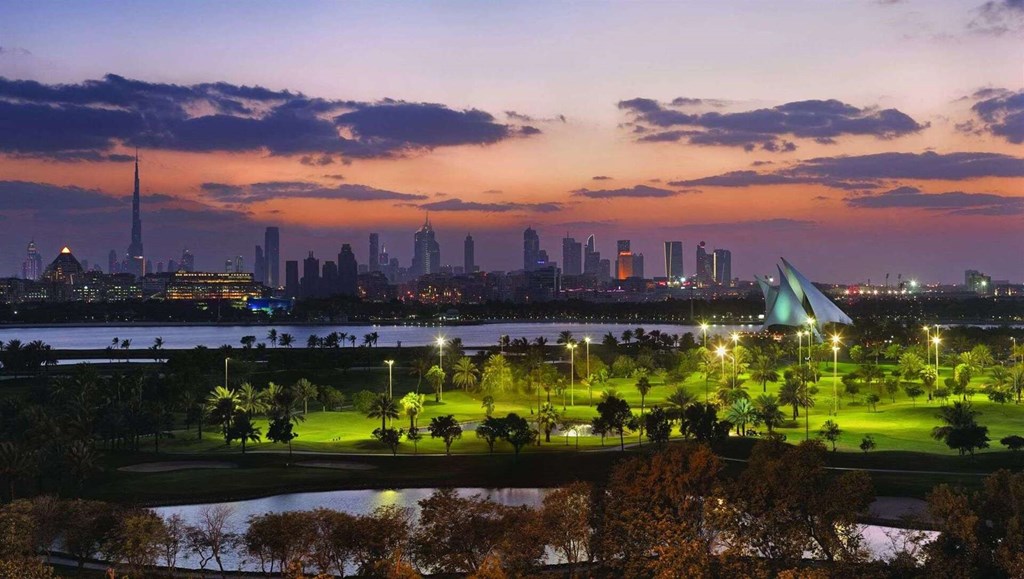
[877, 538]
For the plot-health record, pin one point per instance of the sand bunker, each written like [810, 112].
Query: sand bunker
[176, 465]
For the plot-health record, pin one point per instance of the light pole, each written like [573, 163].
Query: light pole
[927, 350]
[735, 342]
[936, 340]
[799, 347]
[390, 363]
[810, 339]
[572, 374]
[835, 375]
[704, 329]
[721, 354]
[440, 366]
[1013, 349]
[226, 372]
[590, 386]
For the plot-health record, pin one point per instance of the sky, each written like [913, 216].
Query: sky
[855, 138]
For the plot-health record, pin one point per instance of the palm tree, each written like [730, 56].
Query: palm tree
[789, 395]
[764, 370]
[610, 341]
[768, 411]
[741, 413]
[286, 340]
[547, 420]
[305, 390]
[352, 340]
[679, 400]
[465, 374]
[313, 341]
[413, 405]
[504, 341]
[488, 405]
[222, 403]
[540, 341]
[436, 376]
[419, 368]
[252, 401]
[244, 430]
[15, 464]
[565, 337]
[368, 339]
[497, 375]
[383, 407]
[627, 336]
[272, 337]
[643, 386]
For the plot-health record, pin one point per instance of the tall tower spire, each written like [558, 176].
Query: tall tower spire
[136, 257]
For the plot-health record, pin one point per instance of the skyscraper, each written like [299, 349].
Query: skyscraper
[705, 271]
[531, 249]
[259, 266]
[188, 261]
[32, 267]
[469, 255]
[374, 258]
[272, 255]
[623, 261]
[239, 264]
[136, 259]
[572, 256]
[426, 257]
[723, 266]
[348, 270]
[112, 261]
[591, 258]
[674, 260]
[310, 284]
[291, 279]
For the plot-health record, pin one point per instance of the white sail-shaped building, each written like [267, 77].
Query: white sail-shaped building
[795, 301]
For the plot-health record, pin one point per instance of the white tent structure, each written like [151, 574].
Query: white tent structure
[795, 301]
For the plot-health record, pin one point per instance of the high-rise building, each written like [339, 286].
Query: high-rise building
[705, 271]
[572, 256]
[136, 259]
[591, 257]
[638, 265]
[468, 255]
[159, 266]
[329, 278]
[188, 261]
[348, 271]
[674, 260]
[32, 267]
[172, 266]
[272, 255]
[374, 258]
[625, 265]
[229, 265]
[426, 257]
[112, 262]
[531, 249]
[723, 266]
[622, 246]
[259, 266]
[310, 284]
[291, 279]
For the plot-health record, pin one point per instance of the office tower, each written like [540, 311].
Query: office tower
[374, 258]
[622, 246]
[239, 264]
[604, 270]
[272, 255]
[159, 266]
[291, 279]
[426, 257]
[531, 249]
[112, 262]
[638, 265]
[329, 279]
[348, 271]
[147, 267]
[572, 256]
[468, 255]
[674, 260]
[136, 259]
[591, 257]
[705, 271]
[259, 266]
[723, 266]
[85, 265]
[624, 260]
[172, 266]
[188, 261]
[229, 265]
[310, 284]
[32, 267]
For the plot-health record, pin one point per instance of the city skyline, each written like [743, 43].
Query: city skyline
[884, 150]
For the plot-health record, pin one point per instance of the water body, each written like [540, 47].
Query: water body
[361, 502]
[211, 336]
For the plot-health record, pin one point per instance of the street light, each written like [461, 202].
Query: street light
[704, 328]
[390, 363]
[1013, 349]
[799, 347]
[586, 340]
[810, 338]
[721, 354]
[572, 374]
[440, 365]
[226, 372]
[735, 342]
[927, 350]
[936, 340]
[835, 373]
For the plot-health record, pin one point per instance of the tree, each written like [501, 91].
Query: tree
[913, 391]
[547, 420]
[447, 429]
[136, 540]
[929, 377]
[414, 436]
[643, 386]
[243, 430]
[961, 430]
[657, 426]
[789, 395]
[306, 391]
[272, 337]
[615, 413]
[389, 437]
[517, 432]
[212, 536]
[491, 429]
[764, 370]
[566, 519]
[910, 366]
[252, 401]
[867, 443]
[221, 405]
[1012, 442]
[413, 405]
[700, 422]
[497, 376]
[741, 413]
[962, 375]
[16, 463]
[282, 429]
[830, 432]
[487, 404]
[465, 374]
[872, 401]
[768, 412]
[436, 377]
[892, 386]
[383, 407]
[286, 340]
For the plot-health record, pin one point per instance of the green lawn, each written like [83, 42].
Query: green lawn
[902, 425]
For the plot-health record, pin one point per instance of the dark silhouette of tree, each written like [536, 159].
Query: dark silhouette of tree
[389, 437]
[517, 432]
[961, 430]
[657, 426]
[615, 413]
[491, 429]
[447, 429]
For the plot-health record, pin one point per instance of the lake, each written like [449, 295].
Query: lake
[97, 337]
[361, 502]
